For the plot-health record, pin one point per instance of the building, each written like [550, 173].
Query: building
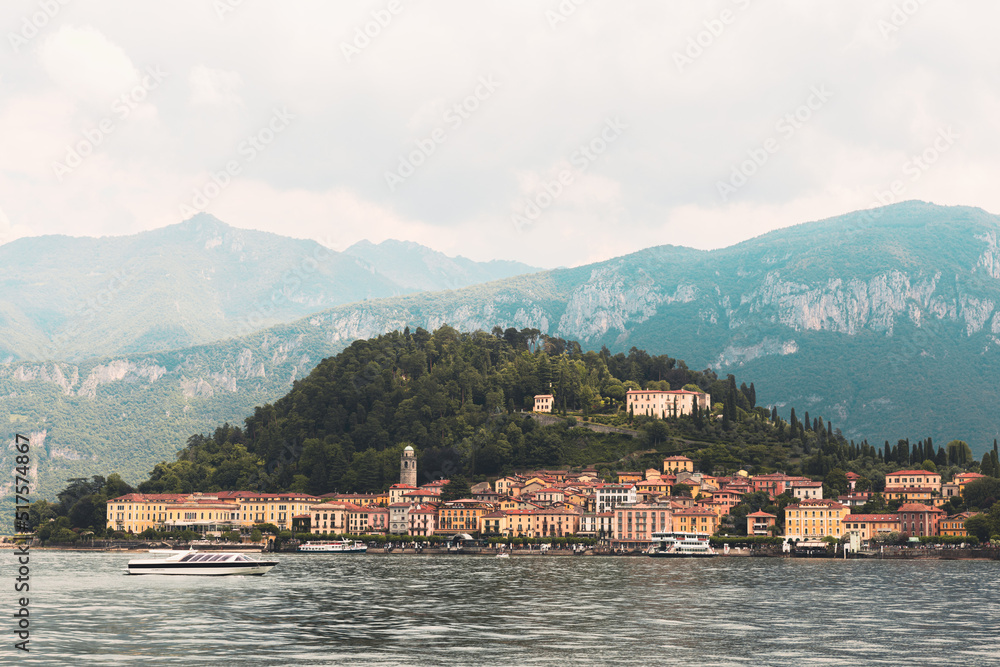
[664, 404]
[422, 520]
[207, 513]
[807, 490]
[331, 518]
[544, 402]
[909, 494]
[408, 467]
[869, 526]
[954, 526]
[695, 520]
[676, 464]
[399, 518]
[914, 478]
[633, 525]
[461, 516]
[917, 519]
[760, 523]
[814, 519]
[609, 496]
[557, 521]
[597, 525]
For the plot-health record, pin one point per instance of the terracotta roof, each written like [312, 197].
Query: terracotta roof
[913, 472]
[762, 513]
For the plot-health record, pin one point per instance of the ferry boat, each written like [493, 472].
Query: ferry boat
[334, 547]
[681, 545]
[200, 563]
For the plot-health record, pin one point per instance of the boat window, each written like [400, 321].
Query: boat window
[186, 558]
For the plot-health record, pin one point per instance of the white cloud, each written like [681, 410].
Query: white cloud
[657, 184]
[215, 87]
[86, 64]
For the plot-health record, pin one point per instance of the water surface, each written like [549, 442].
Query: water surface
[422, 610]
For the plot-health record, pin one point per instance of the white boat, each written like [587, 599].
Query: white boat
[334, 547]
[503, 554]
[681, 545]
[201, 563]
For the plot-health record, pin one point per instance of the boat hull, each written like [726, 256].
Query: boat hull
[682, 555]
[250, 568]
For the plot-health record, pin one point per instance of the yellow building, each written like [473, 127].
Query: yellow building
[695, 520]
[871, 525]
[676, 464]
[909, 494]
[209, 513]
[461, 516]
[814, 519]
[954, 526]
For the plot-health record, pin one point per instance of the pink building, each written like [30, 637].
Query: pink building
[918, 519]
[633, 525]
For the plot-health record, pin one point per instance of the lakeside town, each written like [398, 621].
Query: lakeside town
[622, 515]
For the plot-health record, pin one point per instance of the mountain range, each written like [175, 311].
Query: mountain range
[199, 281]
[884, 322]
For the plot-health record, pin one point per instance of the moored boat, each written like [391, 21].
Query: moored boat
[334, 547]
[681, 545]
[199, 563]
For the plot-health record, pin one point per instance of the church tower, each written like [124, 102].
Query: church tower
[408, 467]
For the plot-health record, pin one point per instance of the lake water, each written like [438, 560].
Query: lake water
[422, 610]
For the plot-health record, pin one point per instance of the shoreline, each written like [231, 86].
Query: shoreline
[915, 554]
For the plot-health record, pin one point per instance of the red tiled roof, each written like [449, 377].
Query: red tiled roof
[912, 473]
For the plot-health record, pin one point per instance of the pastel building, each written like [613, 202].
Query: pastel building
[633, 525]
[815, 519]
[869, 526]
[544, 402]
[917, 519]
[760, 522]
[664, 404]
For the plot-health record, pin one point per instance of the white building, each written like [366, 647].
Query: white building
[609, 496]
[663, 404]
[544, 402]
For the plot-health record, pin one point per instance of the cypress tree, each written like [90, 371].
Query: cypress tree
[806, 424]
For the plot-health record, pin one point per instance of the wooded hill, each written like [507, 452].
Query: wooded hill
[456, 397]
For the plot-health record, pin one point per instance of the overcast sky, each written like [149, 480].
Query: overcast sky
[543, 131]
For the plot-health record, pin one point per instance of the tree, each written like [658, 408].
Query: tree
[456, 489]
[982, 493]
[979, 526]
[959, 453]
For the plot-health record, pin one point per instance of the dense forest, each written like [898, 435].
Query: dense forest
[458, 398]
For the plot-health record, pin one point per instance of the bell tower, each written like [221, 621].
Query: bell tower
[408, 467]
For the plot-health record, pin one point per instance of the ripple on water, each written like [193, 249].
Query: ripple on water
[393, 610]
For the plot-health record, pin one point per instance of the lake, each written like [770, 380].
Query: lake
[421, 610]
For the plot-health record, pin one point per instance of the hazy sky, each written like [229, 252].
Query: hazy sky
[555, 133]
